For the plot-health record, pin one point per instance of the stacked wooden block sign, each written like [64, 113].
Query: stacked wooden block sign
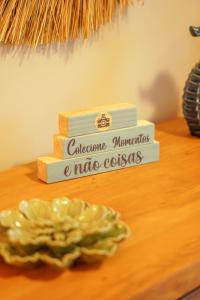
[99, 140]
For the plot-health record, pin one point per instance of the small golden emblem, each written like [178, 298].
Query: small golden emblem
[103, 121]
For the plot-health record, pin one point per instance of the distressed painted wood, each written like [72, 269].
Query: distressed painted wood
[90, 144]
[161, 204]
[52, 169]
[98, 119]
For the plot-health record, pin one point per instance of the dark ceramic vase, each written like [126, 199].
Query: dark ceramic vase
[191, 96]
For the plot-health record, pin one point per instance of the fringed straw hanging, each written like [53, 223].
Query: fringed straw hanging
[36, 22]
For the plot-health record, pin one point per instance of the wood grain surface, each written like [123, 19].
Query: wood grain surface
[160, 202]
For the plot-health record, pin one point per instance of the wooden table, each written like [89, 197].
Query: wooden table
[160, 202]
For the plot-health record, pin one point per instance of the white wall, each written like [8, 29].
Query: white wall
[143, 58]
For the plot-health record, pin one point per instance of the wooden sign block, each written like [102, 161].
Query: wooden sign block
[51, 169]
[66, 147]
[98, 119]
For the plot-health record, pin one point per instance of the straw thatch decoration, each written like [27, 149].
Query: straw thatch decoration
[35, 22]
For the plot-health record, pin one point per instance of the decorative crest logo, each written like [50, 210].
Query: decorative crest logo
[103, 121]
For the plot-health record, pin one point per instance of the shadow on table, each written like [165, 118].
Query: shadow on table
[42, 272]
[32, 173]
[177, 127]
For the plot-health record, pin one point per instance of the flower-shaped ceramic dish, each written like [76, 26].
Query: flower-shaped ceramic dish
[59, 232]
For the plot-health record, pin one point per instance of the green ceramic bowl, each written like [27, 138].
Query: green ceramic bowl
[59, 232]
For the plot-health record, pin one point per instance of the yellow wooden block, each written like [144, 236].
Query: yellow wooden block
[98, 119]
[52, 169]
[68, 147]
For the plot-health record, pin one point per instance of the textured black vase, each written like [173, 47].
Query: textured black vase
[191, 96]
